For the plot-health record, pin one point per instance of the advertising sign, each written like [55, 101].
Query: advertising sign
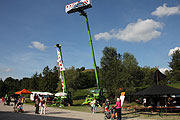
[78, 6]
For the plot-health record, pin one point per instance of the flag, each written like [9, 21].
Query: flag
[61, 68]
[62, 82]
[60, 64]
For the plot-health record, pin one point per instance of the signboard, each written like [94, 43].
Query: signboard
[78, 6]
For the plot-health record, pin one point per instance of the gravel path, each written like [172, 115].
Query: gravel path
[6, 113]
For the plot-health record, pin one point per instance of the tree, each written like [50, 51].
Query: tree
[3, 88]
[24, 83]
[54, 79]
[111, 68]
[12, 85]
[47, 80]
[132, 72]
[175, 65]
[34, 82]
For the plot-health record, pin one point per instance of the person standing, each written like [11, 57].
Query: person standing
[107, 103]
[94, 105]
[144, 101]
[43, 106]
[37, 105]
[118, 108]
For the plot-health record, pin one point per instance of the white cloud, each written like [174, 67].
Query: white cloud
[5, 69]
[8, 70]
[38, 45]
[166, 11]
[104, 35]
[163, 70]
[142, 30]
[171, 51]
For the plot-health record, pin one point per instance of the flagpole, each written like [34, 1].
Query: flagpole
[65, 89]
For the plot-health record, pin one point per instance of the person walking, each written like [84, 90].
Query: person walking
[37, 105]
[118, 108]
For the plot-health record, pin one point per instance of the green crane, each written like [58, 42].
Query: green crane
[80, 6]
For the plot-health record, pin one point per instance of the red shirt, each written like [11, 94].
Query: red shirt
[118, 105]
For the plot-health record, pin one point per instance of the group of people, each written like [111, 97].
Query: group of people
[40, 103]
[17, 102]
[6, 99]
[94, 105]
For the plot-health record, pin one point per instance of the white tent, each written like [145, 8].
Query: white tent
[60, 94]
[39, 94]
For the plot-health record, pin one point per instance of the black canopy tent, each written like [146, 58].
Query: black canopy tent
[159, 93]
[159, 90]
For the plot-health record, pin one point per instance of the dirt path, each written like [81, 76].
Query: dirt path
[6, 113]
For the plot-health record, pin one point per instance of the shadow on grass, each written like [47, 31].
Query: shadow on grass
[23, 116]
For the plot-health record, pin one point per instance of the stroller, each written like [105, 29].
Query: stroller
[19, 107]
[110, 114]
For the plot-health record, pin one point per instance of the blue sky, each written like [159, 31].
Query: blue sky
[29, 29]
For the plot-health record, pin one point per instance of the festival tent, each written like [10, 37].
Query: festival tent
[160, 94]
[159, 90]
[60, 94]
[23, 91]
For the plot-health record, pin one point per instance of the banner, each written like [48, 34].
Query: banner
[60, 64]
[62, 82]
[61, 68]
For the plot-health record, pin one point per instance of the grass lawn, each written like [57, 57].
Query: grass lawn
[175, 85]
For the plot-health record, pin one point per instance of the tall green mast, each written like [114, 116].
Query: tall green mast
[61, 71]
[91, 45]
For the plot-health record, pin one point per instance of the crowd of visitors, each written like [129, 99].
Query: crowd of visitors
[41, 104]
[107, 109]
[17, 102]
[14, 100]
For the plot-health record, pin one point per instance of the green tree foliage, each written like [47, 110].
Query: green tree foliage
[147, 76]
[120, 72]
[3, 88]
[49, 80]
[34, 82]
[175, 65]
[12, 85]
[111, 69]
[71, 76]
[132, 72]
[80, 78]
[117, 72]
[24, 83]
